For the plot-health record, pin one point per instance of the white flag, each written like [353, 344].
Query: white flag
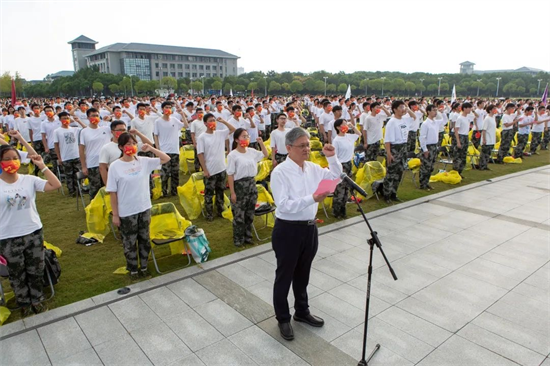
[348, 93]
[453, 95]
[231, 92]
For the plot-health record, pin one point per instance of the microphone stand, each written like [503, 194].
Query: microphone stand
[374, 240]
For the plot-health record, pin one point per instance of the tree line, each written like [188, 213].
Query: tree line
[89, 81]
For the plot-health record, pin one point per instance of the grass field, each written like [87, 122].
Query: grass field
[88, 271]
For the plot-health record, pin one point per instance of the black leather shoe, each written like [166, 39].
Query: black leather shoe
[286, 331]
[396, 199]
[312, 320]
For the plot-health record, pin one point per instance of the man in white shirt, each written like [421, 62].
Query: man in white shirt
[324, 119]
[524, 129]
[197, 128]
[509, 119]
[462, 130]
[277, 141]
[372, 130]
[488, 136]
[81, 112]
[66, 147]
[210, 149]
[428, 144]
[414, 126]
[22, 124]
[395, 141]
[238, 121]
[480, 115]
[123, 115]
[48, 126]
[167, 132]
[253, 130]
[295, 238]
[541, 119]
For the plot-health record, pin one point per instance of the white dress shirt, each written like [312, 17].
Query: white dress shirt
[293, 187]
[429, 133]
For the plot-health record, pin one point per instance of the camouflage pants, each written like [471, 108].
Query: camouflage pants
[214, 185]
[394, 171]
[427, 166]
[440, 138]
[279, 158]
[411, 141]
[25, 257]
[51, 158]
[38, 146]
[452, 151]
[95, 181]
[341, 193]
[372, 151]
[486, 151]
[546, 139]
[535, 141]
[243, 210]
[135, 228]
[171, 170]
[522, 141]
[459, 160]
[71, 167]
[476, 140]
[196, 162]
[505, 140]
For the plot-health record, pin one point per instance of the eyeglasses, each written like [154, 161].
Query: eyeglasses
[119, 130]
[302, 146]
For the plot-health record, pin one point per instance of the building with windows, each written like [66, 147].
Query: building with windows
[153, 62]
[467, 67]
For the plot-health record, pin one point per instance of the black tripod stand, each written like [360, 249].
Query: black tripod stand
[374, 240]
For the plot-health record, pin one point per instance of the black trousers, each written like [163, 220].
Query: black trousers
[295, 247]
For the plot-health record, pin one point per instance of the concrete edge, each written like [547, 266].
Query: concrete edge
[21, 326]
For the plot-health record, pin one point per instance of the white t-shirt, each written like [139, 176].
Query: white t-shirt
[168, 133]
[539, 127]
[463, 125]
[363, 118]
[481, 113]
[18, 213]
[212, 145]
[47, 128]
[397, 131]
[67, 139]
[82, 117]
[526, 130]
[489, 126]
[109, 153]
[93, 140]
[374, 127]
[225, 115]
[243, 165]
[266, 115]
[507, 118]
[198, 128]
[145, 125]
[238, 123]
[326, 118]
[22, 125]
[260, 125]
[277, 140]
[344, 146]
[130, 180]
[35, 124]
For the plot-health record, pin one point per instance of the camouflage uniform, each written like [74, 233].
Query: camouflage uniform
[522, 141]
[171, 170]
[136, 228]
[476, 140]
[279, 158]
[94, 178]
[51, 158]
[459, 160]
[452, 151]
[441, 136]
[38, 146]
[411, 141]
[214, 185]
[535, 141]
[372, 151]
[243, 210]
[545, 139]
[71, 167]
[196, 162]
[394, 171]
[505, 140]
[427, 166]
[341, 194]
[486, 151]
[25, 257]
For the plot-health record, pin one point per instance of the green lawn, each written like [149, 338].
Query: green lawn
[88, 271]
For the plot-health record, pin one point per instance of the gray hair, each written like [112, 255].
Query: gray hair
[295, 134]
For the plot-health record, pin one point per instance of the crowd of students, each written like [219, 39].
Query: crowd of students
[119, 142]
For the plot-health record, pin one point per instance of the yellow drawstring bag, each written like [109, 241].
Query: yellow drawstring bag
[511, 160]
[414, 163]
[57, 251]
[264, 168]
[4, 314]
[157, 186]
[451, 177]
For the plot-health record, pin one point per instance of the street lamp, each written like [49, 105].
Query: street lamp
[202, 82]
[538, 87]
[478, 81]
[383, 78]
[367, 87]
[498, 84]
[439, 86]
[265, 89]
[421, 83]
[325, 77]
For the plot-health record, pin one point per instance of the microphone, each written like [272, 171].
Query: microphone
[352, 184]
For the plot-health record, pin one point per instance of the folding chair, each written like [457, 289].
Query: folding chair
[102, 193]
[260, 214]
[323, 205]
[412, 171]
[60, 179]
[375, 172]
[79, 178]
[167, 222]
[198, 179]
[189, 156]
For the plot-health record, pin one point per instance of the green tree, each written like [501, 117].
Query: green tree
[319, 86]
[410, 87]
[5, 83]
[274, 87]
[227, 88]
[196, 86]
[342, 88]
[141, 86]
[262, 83]
[126, 85]
[252, 86]
[296, 86]
[114, 88]
[169, 82]
[398, 85]
[331, 88]
[285, 86]
[432, 87]
[510, 88]
[97, 87]
[239, 88]
[217, 85]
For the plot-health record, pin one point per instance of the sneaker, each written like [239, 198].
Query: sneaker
[134, 276]
[26, 311]
[39, 308]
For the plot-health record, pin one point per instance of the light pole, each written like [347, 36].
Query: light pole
[367, 87]
[439, 86]
[478, 81]
[265, 89]
[325, 77]
[421, 83]
[498, 84]
[383, 78]
[202, 82]
[538, 87]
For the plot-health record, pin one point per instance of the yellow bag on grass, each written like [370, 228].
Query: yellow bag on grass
[157, 186]
[57, 251]
[264, 169]
[168, 225]
[191, 196]
[187, 154]
[414, 163]
[121, 271]
[4, 314]
[451, 177]
[511, 160]
[97, 215]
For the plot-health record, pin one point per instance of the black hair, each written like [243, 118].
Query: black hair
[336, 108]
[63, 114]
[166, 104]
[207, 116]
[249, 109]
[490, 108]
[82, 102]
[48, 106]
[430, 107]
[189, 104]
[124, 138]
[141, 105]
[90, 111]
[116, 123]
[116, 107]
[337, 124]
[510, 105]
[5, 148]
[236, 107]
[466, 105]
[236, 136]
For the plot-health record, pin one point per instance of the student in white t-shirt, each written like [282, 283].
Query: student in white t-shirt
[278, 141]
[541, 119]
[372, 130]
[211, 152]
[242, 167]
[344, 144]
[123, 115]
[21, 237]
[65, 140]
[197, 128]
[509, 119]
[22, 124]
[488, 136]
[462, 129]
[128, 184]
[50, 124]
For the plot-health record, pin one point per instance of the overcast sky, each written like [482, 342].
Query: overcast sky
[343, 35]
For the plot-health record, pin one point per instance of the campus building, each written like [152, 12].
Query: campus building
[467, 67]
[153, 62]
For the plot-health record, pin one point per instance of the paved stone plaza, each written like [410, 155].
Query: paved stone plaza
[473, 289]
